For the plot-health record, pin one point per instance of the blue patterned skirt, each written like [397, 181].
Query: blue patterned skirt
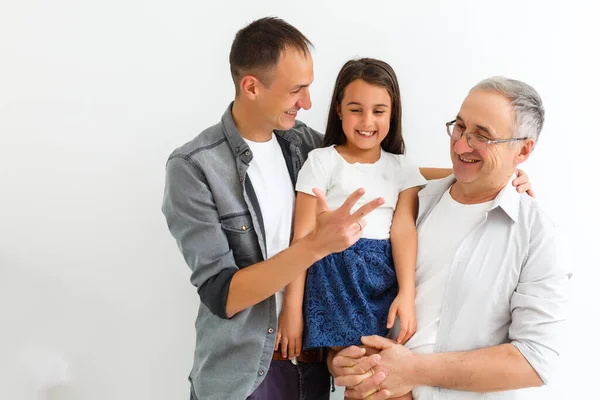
[348, 295]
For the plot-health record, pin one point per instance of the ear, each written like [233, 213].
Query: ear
[338, 110]
[524, 151]
[249, 86]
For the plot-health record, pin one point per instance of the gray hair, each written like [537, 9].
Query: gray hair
[526, 102]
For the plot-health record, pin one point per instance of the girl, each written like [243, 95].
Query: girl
[361, 290]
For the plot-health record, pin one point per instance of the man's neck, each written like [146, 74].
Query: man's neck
[468, 193]
[478, 192]
[247, 123]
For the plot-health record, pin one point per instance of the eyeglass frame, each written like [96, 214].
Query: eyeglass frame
[470, 135]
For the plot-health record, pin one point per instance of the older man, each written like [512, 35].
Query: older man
[490, 289]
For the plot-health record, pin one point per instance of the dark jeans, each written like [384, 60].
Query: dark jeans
[286, 381]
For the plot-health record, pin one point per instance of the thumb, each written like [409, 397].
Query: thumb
[377, 342]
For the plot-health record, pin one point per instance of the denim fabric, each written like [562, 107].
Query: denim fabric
[286, 381]
[216, 221]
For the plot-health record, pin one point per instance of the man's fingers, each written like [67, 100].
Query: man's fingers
[521, 182]
[360, 225]
[321, 201]
[353, 366]
[350, 353]
[351, 200]
[367, 208]
[353, 380]
[524, 187]
[377, 342]
[366, 387]
[381, 395]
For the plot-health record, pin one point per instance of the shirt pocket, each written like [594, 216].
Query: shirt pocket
[242, 238]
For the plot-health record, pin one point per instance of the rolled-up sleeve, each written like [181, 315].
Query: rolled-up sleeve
[539, 303]
[193, 220]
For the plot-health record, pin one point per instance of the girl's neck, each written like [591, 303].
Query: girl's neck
[354, 155]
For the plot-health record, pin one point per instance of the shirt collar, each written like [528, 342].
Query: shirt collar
[238, 144]
[508, 199]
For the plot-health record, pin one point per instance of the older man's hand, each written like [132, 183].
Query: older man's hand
[395, 366]
[354, 365]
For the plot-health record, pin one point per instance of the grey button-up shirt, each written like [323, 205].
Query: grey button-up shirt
[213, 214]
[507, 284]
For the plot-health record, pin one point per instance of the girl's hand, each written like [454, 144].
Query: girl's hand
[403, 306]
[289, 333]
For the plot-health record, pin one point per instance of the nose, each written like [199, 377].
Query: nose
[461, 146]
[367, 119]
[305, 101]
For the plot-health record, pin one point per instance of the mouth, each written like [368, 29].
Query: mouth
[291, 113]
[468, 160]
[366, 133]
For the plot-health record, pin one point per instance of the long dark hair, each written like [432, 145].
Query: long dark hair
[375, 72]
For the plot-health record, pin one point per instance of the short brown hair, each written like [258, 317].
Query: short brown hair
[257, 47]
[374, 72]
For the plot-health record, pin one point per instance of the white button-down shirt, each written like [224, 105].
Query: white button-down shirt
[506, 284]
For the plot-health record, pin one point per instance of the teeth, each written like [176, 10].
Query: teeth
[467, 159]
[366, 133]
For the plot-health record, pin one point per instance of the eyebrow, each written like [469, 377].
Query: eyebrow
[356, 103]
[298, 87]
[480, 127]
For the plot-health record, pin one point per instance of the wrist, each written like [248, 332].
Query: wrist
[292, 307]
[421, 371]
[407, 290]
[312, 247]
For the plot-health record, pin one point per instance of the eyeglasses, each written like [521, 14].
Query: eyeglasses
[474, 140]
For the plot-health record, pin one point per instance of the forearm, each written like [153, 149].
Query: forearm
[490, 369]
[404, 254]
[435, 173]
[294, 293]
[253, 284]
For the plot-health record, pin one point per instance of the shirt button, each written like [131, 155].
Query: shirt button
[243, 227]
[247, 153]
[270, 330]
[241, 179]
[261, 372]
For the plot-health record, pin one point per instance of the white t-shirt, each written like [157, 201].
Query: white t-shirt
[439, 237]
[275, 193]
[327, 170]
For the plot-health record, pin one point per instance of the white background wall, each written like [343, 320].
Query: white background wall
[95, 95]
